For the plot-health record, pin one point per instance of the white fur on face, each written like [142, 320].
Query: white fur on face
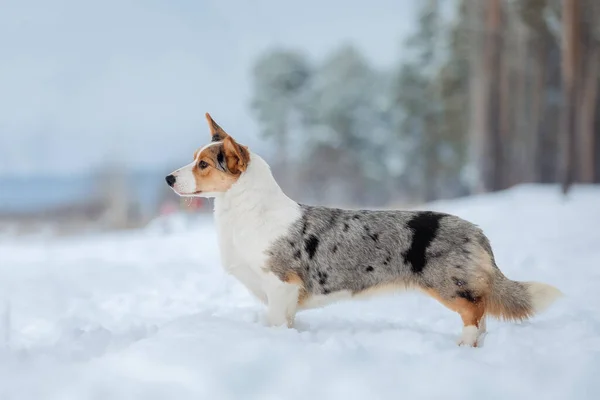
[185, 181]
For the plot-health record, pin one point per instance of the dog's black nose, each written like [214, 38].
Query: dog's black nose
[170, 180]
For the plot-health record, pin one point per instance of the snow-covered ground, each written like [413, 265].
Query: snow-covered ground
[148, 315]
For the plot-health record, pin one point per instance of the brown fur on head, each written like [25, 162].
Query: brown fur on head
[216, 166]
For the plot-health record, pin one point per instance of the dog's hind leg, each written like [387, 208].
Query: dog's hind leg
[474, 322]
[472, 312]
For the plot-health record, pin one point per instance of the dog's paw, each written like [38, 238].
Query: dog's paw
[277, 322]
[270, 320]
[469, 337]
[462, 342]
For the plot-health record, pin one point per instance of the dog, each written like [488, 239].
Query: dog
[294, 257]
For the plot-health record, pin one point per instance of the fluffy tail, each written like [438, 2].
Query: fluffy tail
[511, 300]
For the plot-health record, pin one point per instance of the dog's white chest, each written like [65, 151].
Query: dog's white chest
[249, 218]
[243, 256]
[245, 235]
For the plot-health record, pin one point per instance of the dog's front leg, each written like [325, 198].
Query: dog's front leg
[249, 278]
[282, 301]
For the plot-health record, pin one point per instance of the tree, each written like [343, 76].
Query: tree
[492, 167]
[590, 71]
[346, 114]
[540, 47]
[280, 78]
[570, 68]
[505, 93]
[430, 105]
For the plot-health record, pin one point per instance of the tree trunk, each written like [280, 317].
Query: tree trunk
[538, 105]
[597, 141]
[570, 68]
[520, 160]
[539, 128]
[507, 111]
[491, 165]
[589, 93]
[590, 60]
[477, 95]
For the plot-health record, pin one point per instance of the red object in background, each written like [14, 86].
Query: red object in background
[168, 207]
[196, 203]
[171, 207]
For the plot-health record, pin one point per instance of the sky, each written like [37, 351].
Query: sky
[86, 83]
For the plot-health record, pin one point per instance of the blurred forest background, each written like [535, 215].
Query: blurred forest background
[485, 95]
[500, 93]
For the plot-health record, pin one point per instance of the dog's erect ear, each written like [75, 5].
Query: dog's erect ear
[216, 131]
[236, 155]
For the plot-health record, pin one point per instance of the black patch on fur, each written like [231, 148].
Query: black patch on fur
[458, 266]
[304, 225]
[297, 255]
[322, 278]
[217, 137]
[458, 282]
[387, 259]
[346, 227]
[334, 249]
[467, 295]
[356, 216]
[219, 134]
[373, 236]
[310, 245]
[369, 269]
[292, 244]
[333, 219]
[424, 227]
[221, 158]
[326, 291]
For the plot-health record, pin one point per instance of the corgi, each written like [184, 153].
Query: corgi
[293, 257]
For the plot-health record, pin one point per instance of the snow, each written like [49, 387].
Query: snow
[150, 315]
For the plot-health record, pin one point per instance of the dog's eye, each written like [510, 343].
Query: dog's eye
[202, 164]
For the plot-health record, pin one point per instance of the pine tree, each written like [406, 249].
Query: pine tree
[346, 115]
[430, 114]
[280, 78]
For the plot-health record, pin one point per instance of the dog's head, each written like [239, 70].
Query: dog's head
[216, 166]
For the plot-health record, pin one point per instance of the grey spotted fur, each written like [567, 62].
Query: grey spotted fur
[333, 250]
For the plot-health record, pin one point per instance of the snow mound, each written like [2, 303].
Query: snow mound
[151, 315]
